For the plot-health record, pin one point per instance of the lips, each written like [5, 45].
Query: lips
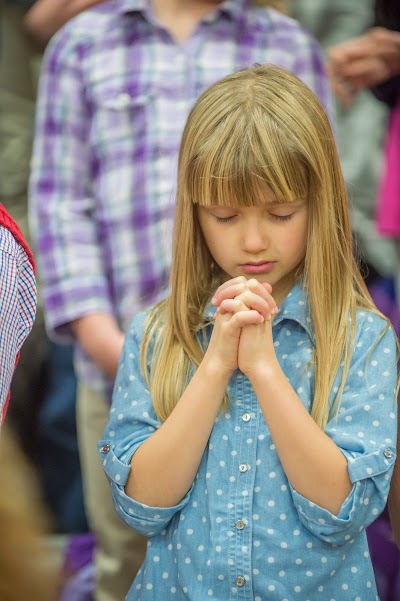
[257, 266]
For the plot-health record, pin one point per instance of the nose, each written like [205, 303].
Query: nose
[254, 236]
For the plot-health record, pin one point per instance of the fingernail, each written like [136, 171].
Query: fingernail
[213, 300]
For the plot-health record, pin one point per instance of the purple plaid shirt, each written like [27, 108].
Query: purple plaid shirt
[114, 95]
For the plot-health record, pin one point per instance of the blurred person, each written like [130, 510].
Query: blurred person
[17, 301]
[17, 97]
[28, 568]
[117, 84]
[44, 386]
[373, 61]
[364, 62]
[360, 129]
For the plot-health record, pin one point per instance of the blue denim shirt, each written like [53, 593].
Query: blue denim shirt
[242, 531]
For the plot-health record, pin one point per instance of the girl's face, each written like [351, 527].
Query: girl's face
[266, 242]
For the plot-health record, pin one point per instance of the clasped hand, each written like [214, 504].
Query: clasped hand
[242, 335]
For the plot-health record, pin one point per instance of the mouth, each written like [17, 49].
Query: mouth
[258, 266]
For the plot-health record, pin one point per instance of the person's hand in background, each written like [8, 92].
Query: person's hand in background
[363, 62]
[46, 17]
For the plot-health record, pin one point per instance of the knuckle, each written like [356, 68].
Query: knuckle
[252, 283]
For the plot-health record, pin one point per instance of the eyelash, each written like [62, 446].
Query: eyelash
[277, 217]
[282, 217]
[225, 219]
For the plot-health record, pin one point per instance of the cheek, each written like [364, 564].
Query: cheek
[214, 241]
[296, 239]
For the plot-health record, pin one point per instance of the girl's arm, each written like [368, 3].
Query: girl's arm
[317, 468]
[356, 452]
[313, 463]
[165, 465]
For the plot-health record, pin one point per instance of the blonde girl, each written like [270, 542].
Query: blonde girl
[253, 428]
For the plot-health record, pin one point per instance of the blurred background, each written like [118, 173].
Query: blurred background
[42, 411]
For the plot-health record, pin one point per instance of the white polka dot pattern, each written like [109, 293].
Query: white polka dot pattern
[242, 531]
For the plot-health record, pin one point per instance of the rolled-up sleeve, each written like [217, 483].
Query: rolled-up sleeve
[365, 431]
[62, 206]
[132, 420]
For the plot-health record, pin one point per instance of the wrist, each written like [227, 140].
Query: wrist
[214, 369]
[260, 373]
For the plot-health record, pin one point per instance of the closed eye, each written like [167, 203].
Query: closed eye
[282, 217]
[225, 219]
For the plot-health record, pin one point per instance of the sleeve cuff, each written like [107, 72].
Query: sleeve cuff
[370, 476]
[143, 518]
[58, 322]
[370, 465]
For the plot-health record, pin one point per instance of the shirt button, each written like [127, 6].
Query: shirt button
[239, 524]
[105, 448]
[246, 417]
[124, 100]
[240, 581]
[243, 468]
[388, 453]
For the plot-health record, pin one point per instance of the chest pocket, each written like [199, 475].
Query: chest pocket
[123, 117]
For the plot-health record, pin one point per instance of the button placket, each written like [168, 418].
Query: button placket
[246, 445]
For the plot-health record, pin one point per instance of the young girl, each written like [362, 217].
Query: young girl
[253, 428]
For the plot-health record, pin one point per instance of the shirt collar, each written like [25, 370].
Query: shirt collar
[295, 307]
[231, 7]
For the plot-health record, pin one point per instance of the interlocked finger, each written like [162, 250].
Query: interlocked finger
[232, 305]
[241, 314]
[247, 301]
[238, 286]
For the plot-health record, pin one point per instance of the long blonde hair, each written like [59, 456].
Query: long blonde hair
[258, 127]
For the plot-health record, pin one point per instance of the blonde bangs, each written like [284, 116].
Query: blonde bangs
[258, 129]
[241, 158]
